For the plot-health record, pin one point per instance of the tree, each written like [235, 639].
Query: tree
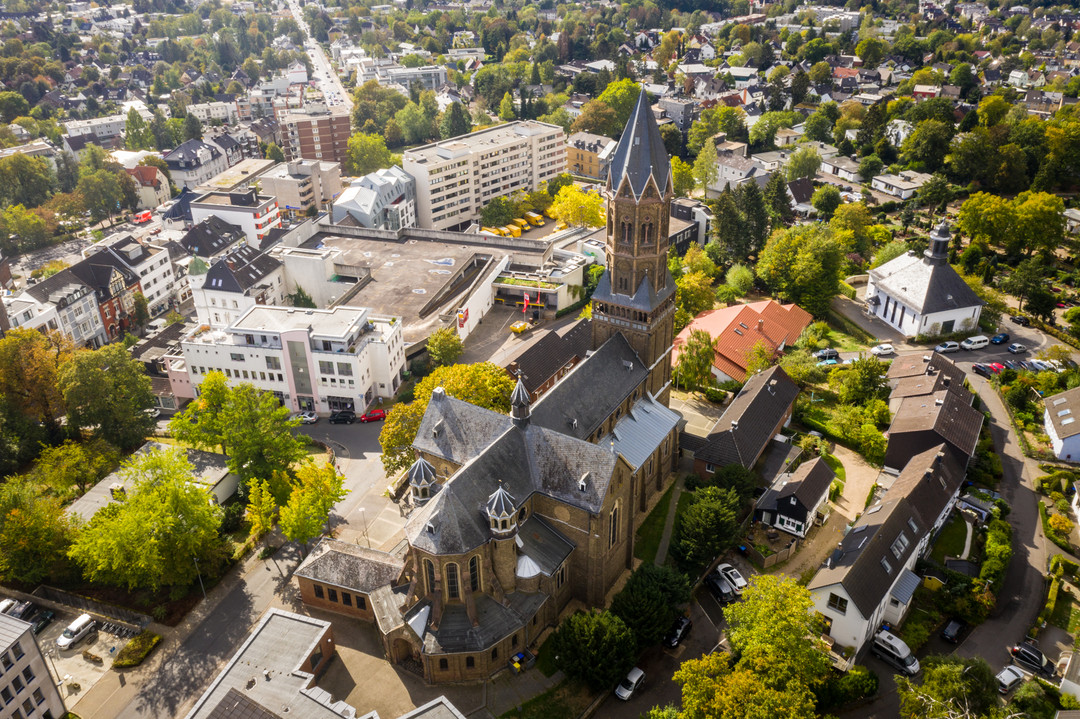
[597, 117]
[889, 252]
[694, 293]
[871, 50]
[498, 212]
[800, 85]
[192, 128]
[484, 385]
[935, 191]
[707, 167]
[740, 278]
[596, 647]
[1027, 276]
[696, 360]
[30, 364]
[506, 107]
[776, 198]
[25, 180]
[107, 392]
[650, 601]
[34, 531]
[137, 134]
[682, 174]
[273, 152]
[708, 527]
[1040, 221]
[1041, 303]
[151, 538]
[861, 381]
[825, 200]
[672, 138]
[987, 217]
[72, 468]
[870, 167]
[316, 491]
[577, 208]
[444, 346]
[366, 154]
[12, 105]
[102, 193]
[952, 686]
[851, 224]
[301, 298]
[141, 313]
[928, 144]
[759, 357]
[804, 162]
[455, 122]
[820, 72]
[802, 265]
[558, 182]
[262, 508]
[713, 689]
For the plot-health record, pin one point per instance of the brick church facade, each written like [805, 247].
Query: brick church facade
[514, 516]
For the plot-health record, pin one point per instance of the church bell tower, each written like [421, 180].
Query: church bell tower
[636, 295]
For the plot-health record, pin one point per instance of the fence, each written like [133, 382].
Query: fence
[767, 561]
[59, 596]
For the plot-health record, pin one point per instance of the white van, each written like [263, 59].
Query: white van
[975, 343]
[76, 631]
[893, 650]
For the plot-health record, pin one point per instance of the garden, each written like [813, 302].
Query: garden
[1055, 511]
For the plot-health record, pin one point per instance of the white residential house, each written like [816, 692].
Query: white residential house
[235, 283]
[843, 167]
[311, 360]
[74, 308]
[194, 163]
[1019, 78]
[797, 500]
[151, 264]
[1062, 421]
[923, 295]
[903, 185]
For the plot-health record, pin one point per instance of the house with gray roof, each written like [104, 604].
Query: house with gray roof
[924, 421]
[923, 295]
[797, 500]
[1060, 416]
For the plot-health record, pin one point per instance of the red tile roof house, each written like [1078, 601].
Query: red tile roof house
[736, 329]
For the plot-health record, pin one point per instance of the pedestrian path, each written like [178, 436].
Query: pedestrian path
[669, 523]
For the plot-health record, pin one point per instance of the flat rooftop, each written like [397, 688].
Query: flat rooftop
[336, 322]
[479, 141]
[239, 175]
[224, 199]
[412, 279]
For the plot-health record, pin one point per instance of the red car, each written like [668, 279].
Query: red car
[375, 415]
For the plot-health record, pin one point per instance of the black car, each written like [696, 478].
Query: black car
[721, 588]
[345, 416]
[982, 370]
[1030, 657]
[678, 632]
[41, 620]
[952, 631]
[827, 354]
[1021, 320]
[21, 610]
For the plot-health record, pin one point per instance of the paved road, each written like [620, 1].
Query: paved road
[325, 75]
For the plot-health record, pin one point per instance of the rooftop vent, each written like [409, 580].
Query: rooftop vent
[583, 483]
[628, 365]
[573, 422]
[430, 528]
[734, 424]
[938, 402]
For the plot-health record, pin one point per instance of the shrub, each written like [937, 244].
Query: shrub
[847, 290]
[1063, 506]
[596, 647]
[997, 552]
[231, 518]
[840, 689]
[1060, 565]
[1060, 524]
[136, 650]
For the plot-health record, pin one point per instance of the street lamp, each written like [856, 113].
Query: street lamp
[203, 588]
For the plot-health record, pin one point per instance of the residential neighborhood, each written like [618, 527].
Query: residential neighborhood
[450, 358]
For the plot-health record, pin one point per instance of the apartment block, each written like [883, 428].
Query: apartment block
[456, 178]
[27, 688]
[320, 360]
[589, 155]
[311, 136]
[303, 184]
[255, 214]
[208, 111]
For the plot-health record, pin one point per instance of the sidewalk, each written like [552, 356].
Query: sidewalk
[669, 523]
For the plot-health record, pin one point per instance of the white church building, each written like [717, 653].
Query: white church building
[923, 295]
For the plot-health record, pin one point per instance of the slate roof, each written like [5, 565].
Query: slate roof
[806, 484]
[457, 634]
[1063, 409]
[240, 270]
[234, 705]
[350, 566]
[542, 543]
[186, 155]
[929, 480]
[948, 414]
[457, 430]
[542, 359]
[211, 236]
[526, 460]
[181, 207]
[97, 272]
[592, 390]
[924, 286]
[63, 283]
[640, 153]
[923, 364]
[802, 190]
[745, 428]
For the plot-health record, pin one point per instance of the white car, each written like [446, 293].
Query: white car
[880, 350]
[1009, 678]
[631, 684]
[731, 574]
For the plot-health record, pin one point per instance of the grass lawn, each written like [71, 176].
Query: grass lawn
[565, 701]
[685, 500]
[951, 540]
[545, 658]
[842, 340]
[836, 466]
[648, 534]
[1066, 613]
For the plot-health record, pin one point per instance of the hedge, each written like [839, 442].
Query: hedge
[135, 651]
[1051, 600]
[847, 290]
[1060, 566]
[848, 327]
[997, 552]
[1062, 542]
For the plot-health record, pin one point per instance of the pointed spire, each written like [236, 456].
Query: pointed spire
[640, 153]
[421, 473]
[501, 511]
[519, 402]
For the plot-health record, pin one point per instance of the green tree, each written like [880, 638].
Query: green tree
[455, 122]
[150, 539]
[859, 382]
[952, 686]
[314, 494]
[694, 293]
[802, 265]
[740, 278]
[672, 138]
[706, 167]
[597, 117]
[621, 96]
[870, 167]
[273, 152]
[1027, 277]
[414, 126]
[301, 298]
[776, 198]
[444, 346]
[141, 313]
[711, 687]
[102, 193]
[577, 208]
[708, 527]
[650, 601]
[1040, 222]
[696, 360]
[34, 531]
[485, 385]
[804, 162]
[825, 200]
[192, 128]
[25, 229]
[889, 252]
[758, 358]
[506, 108]
[498, 212]
[871, 50]
[12, 105]
[137, 134]
[682, 174]
[25, 180]
[72, 468]
[928, 144]
[30, 363]
[987, 217]
[107, 392]
[596, 647]
[262, 508]
[366, 154]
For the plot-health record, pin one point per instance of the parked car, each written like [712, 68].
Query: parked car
[41, 620]
[631, 684]
[721, 589]
[308, 417]
[21, 610]
[678, 632]
[731, 574]
[827, 354]
[375, 415]
[827, 363]
[975, 343]
[1009, 678]
[997, 367]
[6, 605]
[1016, 348]
[345, 416]
[999, 339]
[76, 631]
[1031, 657]
[1021, 320]
[952, 631]
[1040, 365]
[982, 370]
[881, 350]
[947, 347]
[1012, 364]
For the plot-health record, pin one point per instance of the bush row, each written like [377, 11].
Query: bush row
[997, 552]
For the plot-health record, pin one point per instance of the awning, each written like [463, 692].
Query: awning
[904, 587]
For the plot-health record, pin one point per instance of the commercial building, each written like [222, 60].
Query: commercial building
[27, 689]
[194, 162]
[253, 213]
[382, 200]
[321, 360]
[233, 284]
[456, 178]
[300, 185]
[315, 135]
[150, 264]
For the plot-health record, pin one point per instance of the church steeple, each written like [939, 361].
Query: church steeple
[938, 252]
[636, 295]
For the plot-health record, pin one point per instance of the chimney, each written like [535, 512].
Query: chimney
[734, 424]
[230, 264]
[761, 326]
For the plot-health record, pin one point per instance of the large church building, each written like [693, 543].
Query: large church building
[514, 516]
